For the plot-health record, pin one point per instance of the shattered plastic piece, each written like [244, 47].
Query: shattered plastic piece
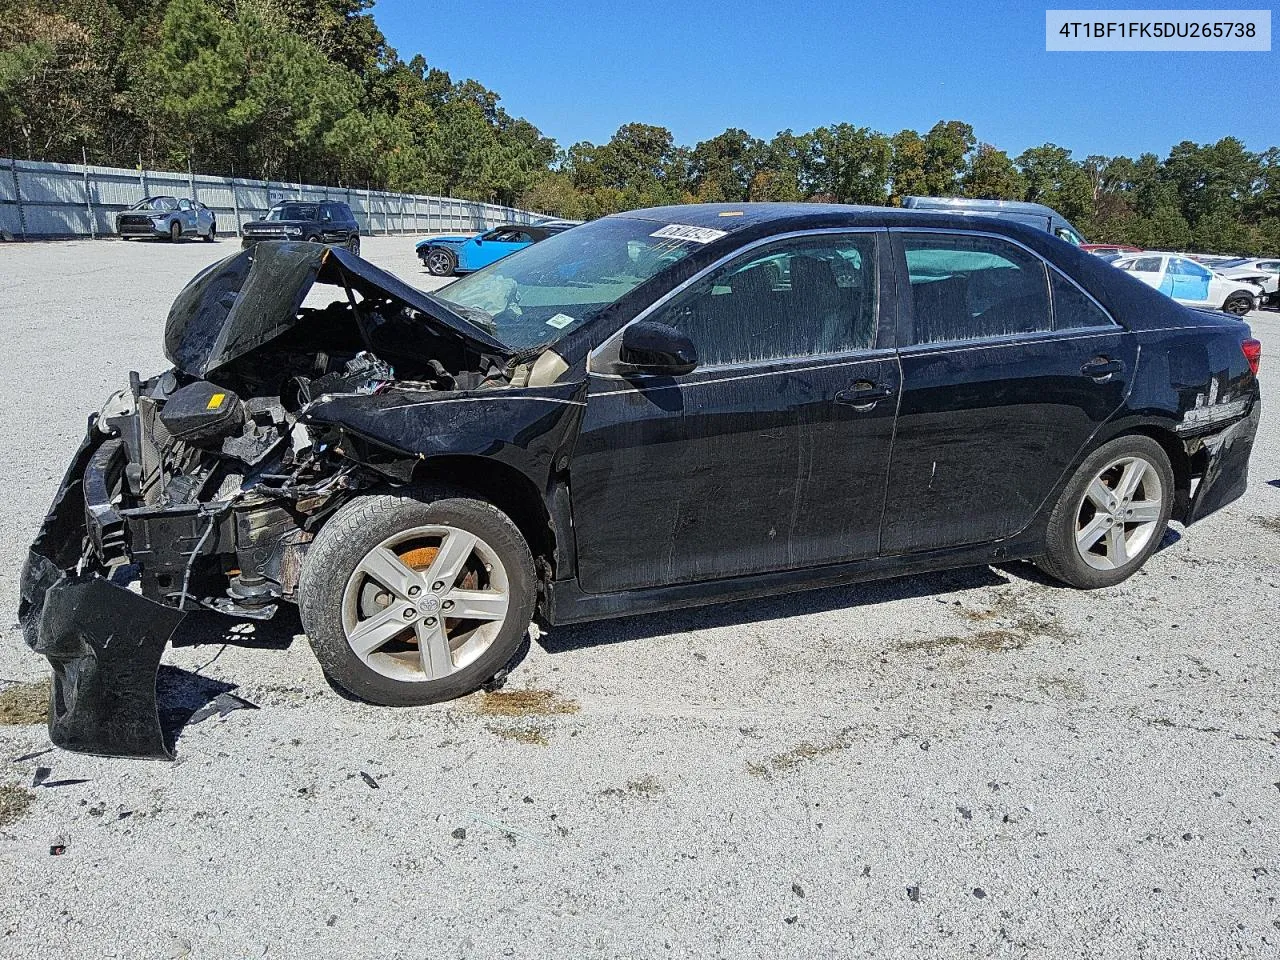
[41, 775]
[58, 847]
[221, 705]
[913, 893]
[369, 780]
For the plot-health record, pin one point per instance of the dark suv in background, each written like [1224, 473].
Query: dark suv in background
[324, 221]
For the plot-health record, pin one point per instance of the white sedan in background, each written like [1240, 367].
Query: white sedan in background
[1264, 271]
[1180, 277]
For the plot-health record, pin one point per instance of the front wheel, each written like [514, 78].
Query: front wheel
[175, 232]
[1238, 304]
[353, 244]
[416, 597]
[440, 262]
[1112, 514]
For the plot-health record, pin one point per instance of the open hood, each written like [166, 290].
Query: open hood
[244, 301]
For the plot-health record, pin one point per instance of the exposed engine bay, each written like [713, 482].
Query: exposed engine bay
[210, 488]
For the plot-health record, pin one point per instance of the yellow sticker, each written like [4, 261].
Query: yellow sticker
[216, 401]
[730, 213]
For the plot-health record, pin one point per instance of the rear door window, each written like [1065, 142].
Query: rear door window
[969, 287]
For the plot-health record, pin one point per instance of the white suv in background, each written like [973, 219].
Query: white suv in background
[1180, 277]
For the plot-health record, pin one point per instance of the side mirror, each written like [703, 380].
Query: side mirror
[655, 348]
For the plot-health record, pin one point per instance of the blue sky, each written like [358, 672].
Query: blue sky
[580, 69]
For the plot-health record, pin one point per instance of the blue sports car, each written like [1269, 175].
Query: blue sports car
[447, 256]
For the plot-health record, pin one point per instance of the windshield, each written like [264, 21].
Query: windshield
[155, 203]
[292, 211]
[539, 294]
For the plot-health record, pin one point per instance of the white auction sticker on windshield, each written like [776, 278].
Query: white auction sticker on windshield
[678, 231]
[560, 321]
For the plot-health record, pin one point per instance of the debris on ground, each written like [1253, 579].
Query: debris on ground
[14, 801]
[41, 775]
[58, 847]
[25, 703]
[221, 705]
[369, 780]
[913, 893]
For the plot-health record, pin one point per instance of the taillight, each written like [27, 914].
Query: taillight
[1253, 353]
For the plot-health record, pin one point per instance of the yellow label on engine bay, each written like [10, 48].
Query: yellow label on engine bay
[215, 401]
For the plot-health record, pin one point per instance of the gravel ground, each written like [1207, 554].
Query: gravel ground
[974, 763]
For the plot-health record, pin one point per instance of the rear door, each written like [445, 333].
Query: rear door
[1008, 369]
[772, 455]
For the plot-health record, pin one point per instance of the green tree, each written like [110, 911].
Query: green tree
[946, 147]
[992, 176]
[907, 170]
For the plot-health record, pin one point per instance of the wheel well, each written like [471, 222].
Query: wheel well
[1186, 468]
[505, 487]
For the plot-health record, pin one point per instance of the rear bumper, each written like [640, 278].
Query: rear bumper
[1226, 457]
[103, 641]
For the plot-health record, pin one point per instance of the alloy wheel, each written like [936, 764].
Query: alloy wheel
[1119, 513]
[438, 262]
[425, 602]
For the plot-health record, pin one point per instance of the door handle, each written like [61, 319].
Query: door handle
[1102, 369]
[864, 395]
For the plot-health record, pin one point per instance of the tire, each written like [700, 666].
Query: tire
[337, 595]
[1238, 304]
[175, 231]
[1115, 550]
[212, 235]
[353, 244]
[440, 262]
[312, 238]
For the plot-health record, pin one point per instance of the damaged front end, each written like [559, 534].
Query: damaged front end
[202, 487]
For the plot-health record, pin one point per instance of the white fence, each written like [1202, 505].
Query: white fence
[48, 200]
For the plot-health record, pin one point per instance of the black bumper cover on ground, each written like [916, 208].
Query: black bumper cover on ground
[103, 641]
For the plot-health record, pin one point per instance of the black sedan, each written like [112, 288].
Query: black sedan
[654, 410]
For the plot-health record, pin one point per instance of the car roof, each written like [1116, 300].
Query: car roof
[736, 217]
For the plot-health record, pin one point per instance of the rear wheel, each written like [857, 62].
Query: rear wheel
[441, 262]
[417, 597]
[1112, 514]
[1239, 304]
[212, 235]
[175, 232]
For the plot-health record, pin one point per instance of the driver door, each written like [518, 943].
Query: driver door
[773, 453]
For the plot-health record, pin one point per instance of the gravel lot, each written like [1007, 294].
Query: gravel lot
[974, 763]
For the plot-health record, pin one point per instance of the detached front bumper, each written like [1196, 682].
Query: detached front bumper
[103, 641]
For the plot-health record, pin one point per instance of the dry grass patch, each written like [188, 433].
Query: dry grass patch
[533, 736]
[1268, 523]
[14, 801]
[24, 703]
[993, 641]
[803, 752]
[524, 703]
